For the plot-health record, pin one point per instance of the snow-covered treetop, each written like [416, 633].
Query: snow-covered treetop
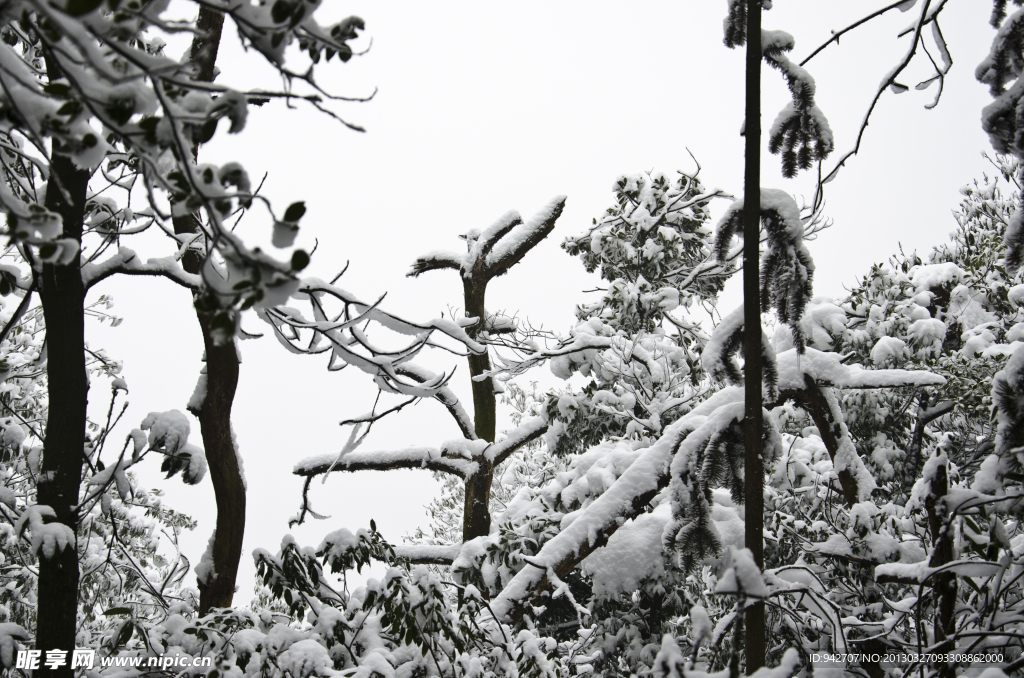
[652, 247]
[498, 248]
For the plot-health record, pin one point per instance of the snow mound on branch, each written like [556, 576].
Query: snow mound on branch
[927, 331]
[14, 435]
[927, 276]
[633, 553]
[47, 538]
[714, 357]
[743, 576]
[305, 658]
[205, 573]
[888, 349]
[10, 634]
[167, 430]
[1016, 295]
[827, 370]
[701, 627]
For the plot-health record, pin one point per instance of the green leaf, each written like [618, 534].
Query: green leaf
[117, 610]
[80, 7]
[295, 211]
[300, 260]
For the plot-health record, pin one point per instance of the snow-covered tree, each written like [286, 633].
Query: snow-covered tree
[96, 120]
[472, 459]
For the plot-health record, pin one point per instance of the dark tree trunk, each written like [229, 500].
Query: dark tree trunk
[225, 474]
[945, 584]
[221, 382]
[753, 420]
[476, 516]
[63, 297]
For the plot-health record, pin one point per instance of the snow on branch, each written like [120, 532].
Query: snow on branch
[719, 355]
[443, 395]
[435, 261]
[339, 334]
[497, 249]
[428, 554]
[524, 434]
[431, 458]
[694, 451]
[787, 269]
[127, 261]
[625, 499]
[509, 248]
[827, 369]
[495, 232]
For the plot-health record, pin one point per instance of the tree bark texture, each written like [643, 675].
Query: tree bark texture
[222, 367]
[62, 292]
[753, 420]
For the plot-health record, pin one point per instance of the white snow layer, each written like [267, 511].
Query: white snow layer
[827, 370]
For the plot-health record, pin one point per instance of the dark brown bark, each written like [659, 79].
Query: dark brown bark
[226, 476]
[63, 298]
[753, 419]
[221, 382]
[476, 515]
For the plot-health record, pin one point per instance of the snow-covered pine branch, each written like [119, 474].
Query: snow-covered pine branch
[719, 355]
[800, 131]
[787, 269]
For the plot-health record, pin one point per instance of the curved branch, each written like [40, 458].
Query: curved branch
[127, 262]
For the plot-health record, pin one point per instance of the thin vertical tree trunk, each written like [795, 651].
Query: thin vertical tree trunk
[753, 421]
[222, 366]
[62, 292]
[476, 515]
[944, 589]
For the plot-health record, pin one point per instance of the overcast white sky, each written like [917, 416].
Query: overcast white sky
[486, 107]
